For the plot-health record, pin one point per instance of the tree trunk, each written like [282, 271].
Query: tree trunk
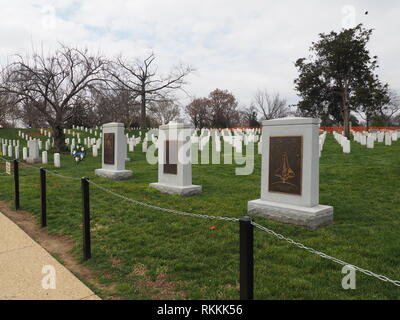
[143, 124]
[59, 139]
[346, 114]
[346, 122]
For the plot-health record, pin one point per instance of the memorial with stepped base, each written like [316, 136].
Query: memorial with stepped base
[290, 174]
[114, 153]
[174, 160]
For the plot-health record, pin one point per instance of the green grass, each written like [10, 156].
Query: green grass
[363, 187]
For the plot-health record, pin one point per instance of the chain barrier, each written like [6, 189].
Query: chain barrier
[279, 236]
[48, 171]
[61, 176]
[28, 165]
[162, 209]
[325, 256]
[258, 226]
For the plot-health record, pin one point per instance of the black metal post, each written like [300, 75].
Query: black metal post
[16, 184]
[246, 259]
[86, 218]
[43, 218]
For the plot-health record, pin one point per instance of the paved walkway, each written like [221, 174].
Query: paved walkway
[26, 270]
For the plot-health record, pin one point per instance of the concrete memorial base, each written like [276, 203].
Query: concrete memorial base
[173, 189]
[310, 217]
[114, 174]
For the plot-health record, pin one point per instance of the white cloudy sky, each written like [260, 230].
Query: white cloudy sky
[235, 45]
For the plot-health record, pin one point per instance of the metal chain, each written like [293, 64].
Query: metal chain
[50, 172]
[28, 166]
[269, 231]
[279, 236]
[61, 176]
[163, 209]
[325, 256]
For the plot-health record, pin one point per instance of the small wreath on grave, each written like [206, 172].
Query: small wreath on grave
[79, 153]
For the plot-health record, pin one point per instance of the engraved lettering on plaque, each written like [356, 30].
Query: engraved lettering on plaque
[109, 148]
[285, 165]
[171, 155]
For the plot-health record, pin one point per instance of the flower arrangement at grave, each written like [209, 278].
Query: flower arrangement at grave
[79, 153]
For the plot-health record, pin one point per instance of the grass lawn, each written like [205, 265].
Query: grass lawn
[142, 253]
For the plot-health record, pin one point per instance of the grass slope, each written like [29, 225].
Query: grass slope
[133, 246]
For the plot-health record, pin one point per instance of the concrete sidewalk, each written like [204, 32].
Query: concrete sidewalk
[25, 268]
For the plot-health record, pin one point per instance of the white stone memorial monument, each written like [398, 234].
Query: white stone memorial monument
[175, 160]
[114, 153]
[290, 174]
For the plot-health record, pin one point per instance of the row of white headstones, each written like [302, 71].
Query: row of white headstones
[34, 147]
[11, 147]
[237, 138]
[12, 151]
[367, 139]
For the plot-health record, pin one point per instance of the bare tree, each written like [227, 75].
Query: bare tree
[116, 105]
[8, 110]
[396, 120]
[53, 83]
[249, 116]
[199, 112]
[218, 110]
[29, 116]
[392, 109]
[164, 110]
[142, 78]
[271, 107]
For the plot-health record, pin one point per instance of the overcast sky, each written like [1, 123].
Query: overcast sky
[235, 45]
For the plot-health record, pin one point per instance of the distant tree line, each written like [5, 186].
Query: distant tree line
[72, 86]
[220, 110]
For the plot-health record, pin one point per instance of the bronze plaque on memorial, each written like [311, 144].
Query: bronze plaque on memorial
[109, 148]
[171, 154]
[285, 164]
